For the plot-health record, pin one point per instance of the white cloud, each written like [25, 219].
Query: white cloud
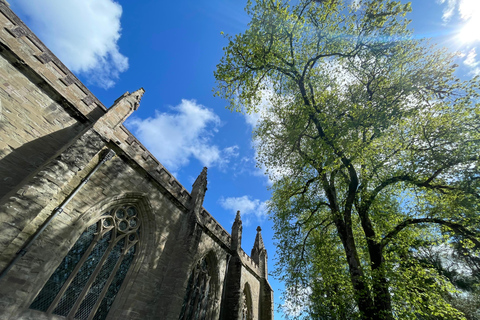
[253, 120]
[231, 152]
[248, 207]
[264, 109]
[254, 117]
[183, 133]
[470, 60]
[466, 9]
[449, 9]
[466, 14]
[82, 33]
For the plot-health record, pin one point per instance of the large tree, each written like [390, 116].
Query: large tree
[372, 143]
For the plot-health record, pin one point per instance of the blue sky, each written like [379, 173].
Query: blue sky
[171, 49]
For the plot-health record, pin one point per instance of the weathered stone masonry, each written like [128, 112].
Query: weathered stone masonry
[53, 133]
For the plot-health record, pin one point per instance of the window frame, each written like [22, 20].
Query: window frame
[211, 304]
[247, 306]
[117, 235]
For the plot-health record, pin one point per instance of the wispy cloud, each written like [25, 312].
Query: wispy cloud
[82, 33]
[465, 8]
[449, 8]
[183, 133]
[248, 207]
[468, 9]
[465, 11]
[470, 60]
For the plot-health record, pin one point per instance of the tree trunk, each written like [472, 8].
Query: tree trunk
[381, 295]
[362, 293]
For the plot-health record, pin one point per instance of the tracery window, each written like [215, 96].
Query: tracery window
[247, 304]
[86, 282]
[198, 297]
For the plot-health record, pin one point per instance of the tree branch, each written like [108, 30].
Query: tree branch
[456, 227]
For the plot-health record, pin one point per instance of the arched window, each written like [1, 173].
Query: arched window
[199, 297]
[247, 303]
[86, 282]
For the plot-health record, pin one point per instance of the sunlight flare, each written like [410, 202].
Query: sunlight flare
[470, 11]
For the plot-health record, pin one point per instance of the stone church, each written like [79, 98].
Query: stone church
[92, 226]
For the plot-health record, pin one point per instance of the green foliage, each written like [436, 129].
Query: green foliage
[372, 142]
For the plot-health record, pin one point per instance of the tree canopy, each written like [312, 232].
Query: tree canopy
[372, 142]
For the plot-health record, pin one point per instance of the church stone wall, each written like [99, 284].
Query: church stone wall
[53, 133]
[255, 290]
[33, 126]
[23, 213]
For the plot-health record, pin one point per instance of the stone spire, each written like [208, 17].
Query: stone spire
[258, 246]
[199, 188]
[237, 232]
[201, 180]
[133, 99]
[259, 253]
[124, 106]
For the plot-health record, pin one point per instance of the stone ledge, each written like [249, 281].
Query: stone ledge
[215, 228]
[248, 263]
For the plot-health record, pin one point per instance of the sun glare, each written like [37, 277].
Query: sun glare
[470, 32]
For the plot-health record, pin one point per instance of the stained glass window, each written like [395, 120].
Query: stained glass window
[247, 304]
[86, 282]
[196, 302]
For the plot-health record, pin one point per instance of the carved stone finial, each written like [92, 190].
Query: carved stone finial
[201, 179]
[121, 109]
[237, 232]
[199, 188]
[133, 99]
[258, 245]
[137, 96]
[259, 253]
[204, 172]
